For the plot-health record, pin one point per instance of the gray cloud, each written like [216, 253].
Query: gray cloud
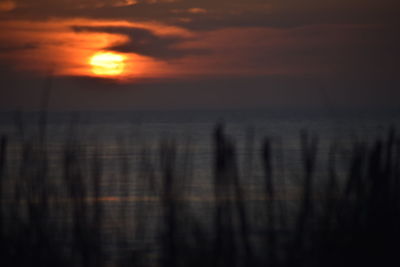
[145, 42]
[5, 48]
[222, 13]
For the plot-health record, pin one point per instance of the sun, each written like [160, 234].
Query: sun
[107, 63]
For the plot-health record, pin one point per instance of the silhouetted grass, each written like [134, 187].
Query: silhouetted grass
[62, 212]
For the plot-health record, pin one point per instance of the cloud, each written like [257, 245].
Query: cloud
[87, 4]
[122, 3]
[159, 1]
[145, 42]
[193, 10]
[221, 13]
[7, 5]
[7, 48]
[150, 48]
[69, 7]
[157, 50]
[350, 50]
[197, 10]
[189, 14]
[34, 46]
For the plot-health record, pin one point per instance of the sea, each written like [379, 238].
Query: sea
[127, 151]
[129, 134]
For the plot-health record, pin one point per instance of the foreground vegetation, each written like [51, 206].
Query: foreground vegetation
[59, 212]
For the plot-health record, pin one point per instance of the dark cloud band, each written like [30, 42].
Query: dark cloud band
[145, 42]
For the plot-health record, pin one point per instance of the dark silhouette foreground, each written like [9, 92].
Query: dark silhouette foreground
[342, 218]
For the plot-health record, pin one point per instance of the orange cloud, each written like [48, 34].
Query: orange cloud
[69, 44]
[194, 10]
[197, 10]
[120, 3]
[37, 46]
[160, 1]
[7, 5]
[102, 4]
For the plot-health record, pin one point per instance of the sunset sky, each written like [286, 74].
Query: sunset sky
[139, 54]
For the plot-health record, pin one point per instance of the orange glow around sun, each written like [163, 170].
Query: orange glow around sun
[107, 64]
[56, 45]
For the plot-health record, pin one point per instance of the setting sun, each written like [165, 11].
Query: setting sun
[107, 63]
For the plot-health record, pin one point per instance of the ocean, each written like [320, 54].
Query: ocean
[129, 134]
[125, 169]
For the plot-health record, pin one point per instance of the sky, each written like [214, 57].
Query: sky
[179, 54]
